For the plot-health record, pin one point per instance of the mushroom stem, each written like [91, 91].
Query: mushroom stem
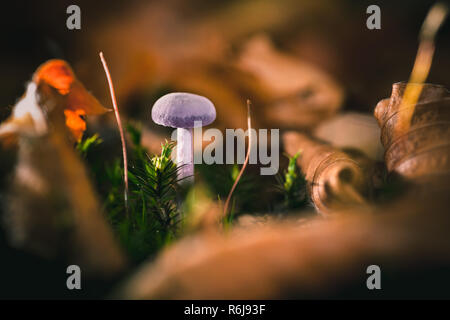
[185, 155]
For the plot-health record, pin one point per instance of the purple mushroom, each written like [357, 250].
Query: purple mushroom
[184, 111]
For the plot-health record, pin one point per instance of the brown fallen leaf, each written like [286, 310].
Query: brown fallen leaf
[51, 207]
[335, 179]
[298, 94]
[78, 102]
[424, 149]
[327, 258]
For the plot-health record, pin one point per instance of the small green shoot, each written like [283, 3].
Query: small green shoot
[85, 144]
[293, 184]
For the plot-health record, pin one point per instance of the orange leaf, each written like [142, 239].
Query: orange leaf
[78, 101]
[75, 122]
[56, 73]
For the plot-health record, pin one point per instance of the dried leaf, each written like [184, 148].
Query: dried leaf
[322, 259]
[78, 102]
[298, 93]
[51, 207]
[424, 149]
[335, 179]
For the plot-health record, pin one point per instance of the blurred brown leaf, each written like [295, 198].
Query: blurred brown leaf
[352, 130]
[335, 179]
[424, 149]
[78, 102]
[51, 206]
[322, 259]
[298, 93]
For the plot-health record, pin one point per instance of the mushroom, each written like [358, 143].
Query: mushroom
[184, 111]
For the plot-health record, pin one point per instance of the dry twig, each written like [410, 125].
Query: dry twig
[119, 124]
[249, 124]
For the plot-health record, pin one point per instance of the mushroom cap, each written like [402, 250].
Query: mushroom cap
[182, 110]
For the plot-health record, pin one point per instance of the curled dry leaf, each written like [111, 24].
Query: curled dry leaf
[298, 94]
[424, 149]
[51, 207]
[335, 179]
[78, 102]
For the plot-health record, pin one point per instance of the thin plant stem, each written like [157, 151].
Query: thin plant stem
[249, 124]
[422, 65]
[119, 124]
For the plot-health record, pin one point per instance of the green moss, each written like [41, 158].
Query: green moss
[151, 219]
[292, 185]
